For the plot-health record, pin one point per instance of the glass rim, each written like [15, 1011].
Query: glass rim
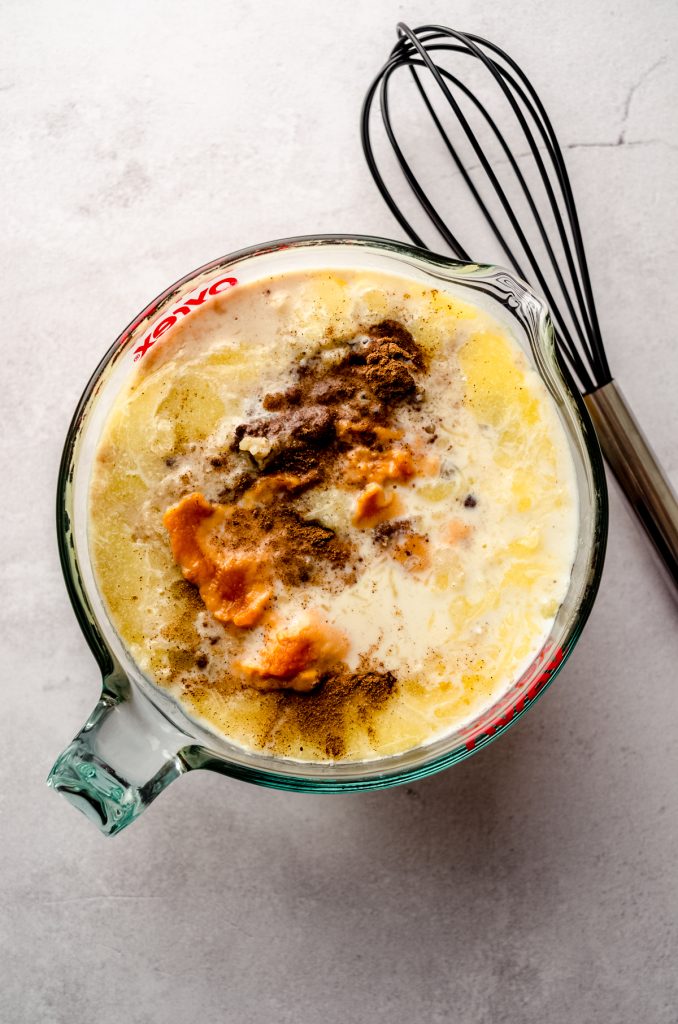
[385, 771]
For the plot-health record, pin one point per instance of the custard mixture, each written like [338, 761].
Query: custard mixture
[334, 513]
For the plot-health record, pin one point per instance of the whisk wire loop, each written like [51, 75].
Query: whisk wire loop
[534, 263]
[414, 50]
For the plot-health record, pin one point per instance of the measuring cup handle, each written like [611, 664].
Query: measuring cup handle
[123, 758]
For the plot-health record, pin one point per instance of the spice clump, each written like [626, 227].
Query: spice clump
[342, 699]
[338, 425]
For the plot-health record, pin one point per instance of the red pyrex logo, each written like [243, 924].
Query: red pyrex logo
[186, 308]
[488, 727]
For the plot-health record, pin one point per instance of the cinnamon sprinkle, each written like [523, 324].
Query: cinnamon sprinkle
[324, 717]
[336, 425]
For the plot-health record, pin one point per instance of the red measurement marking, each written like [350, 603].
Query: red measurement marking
[189, 305]
[488, 727]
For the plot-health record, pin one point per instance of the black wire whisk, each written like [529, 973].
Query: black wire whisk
[535, 223]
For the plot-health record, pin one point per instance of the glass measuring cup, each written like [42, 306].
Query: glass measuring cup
[138, 739]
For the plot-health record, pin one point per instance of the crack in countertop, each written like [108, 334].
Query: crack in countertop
[633, 89]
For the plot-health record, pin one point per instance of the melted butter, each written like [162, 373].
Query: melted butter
[455, 634]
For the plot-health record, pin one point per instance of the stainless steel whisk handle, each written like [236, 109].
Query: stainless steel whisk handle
[637, 470]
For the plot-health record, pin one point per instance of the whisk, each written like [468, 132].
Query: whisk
[543, 242]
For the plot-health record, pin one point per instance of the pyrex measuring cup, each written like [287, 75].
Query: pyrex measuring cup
[138, 739]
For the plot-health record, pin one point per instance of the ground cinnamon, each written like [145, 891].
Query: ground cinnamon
[323, 718]
[337, 424]
[337, 406]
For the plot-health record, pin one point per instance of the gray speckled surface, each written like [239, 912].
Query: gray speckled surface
[537, 881]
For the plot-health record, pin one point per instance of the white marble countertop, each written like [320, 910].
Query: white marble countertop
[535, 882]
